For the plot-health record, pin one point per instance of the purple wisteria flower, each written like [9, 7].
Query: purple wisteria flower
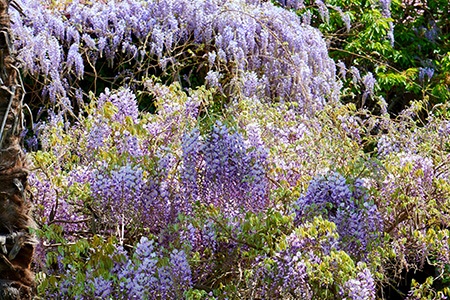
[102, 288]
[348, 206]
[425, 73]
[148, 274]
[213, 79]
[295, 4]
[224, 171]
[388, 145]
[99, 134]
[422, 171]
[356, 76]
[118, 193]
[74, 59]
[143, 276]
[192, 162]
[369, 84]
[53, 205]
[385, 6]
[344, 16]
[290, 65]
[360, 288]
[432, 32]
[286, 273]
[125, 102]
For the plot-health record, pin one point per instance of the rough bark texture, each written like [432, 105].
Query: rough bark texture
[16, 241]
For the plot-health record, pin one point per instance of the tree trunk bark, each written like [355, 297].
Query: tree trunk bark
[16, 241]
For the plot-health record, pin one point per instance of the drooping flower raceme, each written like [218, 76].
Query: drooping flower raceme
[308, 253]
[360, 288]
[229, 174]
[119, 191]
[142, 276]
[288, 272]
[286, 59]
[124, 100]
[146, 273]
[348, 206]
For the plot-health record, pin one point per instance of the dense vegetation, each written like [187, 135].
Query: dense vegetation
[238, 149]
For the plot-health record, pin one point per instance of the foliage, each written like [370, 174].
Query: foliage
[402, 43]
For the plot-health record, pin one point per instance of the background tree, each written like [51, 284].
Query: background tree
[16, 242]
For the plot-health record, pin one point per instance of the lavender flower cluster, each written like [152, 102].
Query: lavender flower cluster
[54, 206]
[360, 288]
[117, 106]
[124, 101]
[387, 145]
[425, 73]
[288, 60]
[413, 177]
[117, 191]
[224, 171]
[286, 273]
[292, 273]
[348, 206]
[147, 274]
[148, 169]
[143, 276]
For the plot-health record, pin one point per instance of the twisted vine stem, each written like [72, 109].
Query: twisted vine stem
[16, 241]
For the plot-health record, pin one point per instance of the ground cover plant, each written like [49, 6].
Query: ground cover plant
[238, 149]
